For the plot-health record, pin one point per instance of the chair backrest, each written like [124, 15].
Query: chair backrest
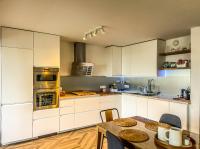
[108, 114]
[113, 141]
[171, 119]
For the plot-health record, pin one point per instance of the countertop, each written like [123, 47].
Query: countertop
[98, 94]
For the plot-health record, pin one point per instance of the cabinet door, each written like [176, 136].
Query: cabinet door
[127, 61]
[45, 126]
[102, 59]
[129, 106]
[46, 50]
[86, 104]
[144, 57]
[87, 118]
[67, 122]
[156, 108]
[181, 110]
[116, 61]
[45, 113]
[109, 102]
[16, 38]
[17, 75]
[142, 107]
[16, 122]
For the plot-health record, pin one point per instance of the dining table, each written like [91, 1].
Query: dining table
[149, 144]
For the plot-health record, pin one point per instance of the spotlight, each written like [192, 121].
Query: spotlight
[94, 33]
[102, 30]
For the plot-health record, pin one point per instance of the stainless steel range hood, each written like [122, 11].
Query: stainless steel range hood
[80, 67]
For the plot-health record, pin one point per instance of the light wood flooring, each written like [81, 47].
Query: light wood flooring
[78, 139]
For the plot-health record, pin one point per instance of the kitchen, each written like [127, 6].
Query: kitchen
[51, 86]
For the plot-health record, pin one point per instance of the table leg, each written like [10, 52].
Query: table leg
[99, 144]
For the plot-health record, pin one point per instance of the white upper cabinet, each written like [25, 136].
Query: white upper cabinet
[17, 75]
[46, 50]
[102, 59]
[127, 61]
[141, 59]
[116, 60]
[16, 38]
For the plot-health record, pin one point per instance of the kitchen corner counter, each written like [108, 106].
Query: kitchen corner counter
[99, 94]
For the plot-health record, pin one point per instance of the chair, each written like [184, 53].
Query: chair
[108, 117]
[114, 142]
[171, 119]
[108, 114]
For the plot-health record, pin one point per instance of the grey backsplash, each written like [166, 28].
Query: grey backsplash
[167, 85]
[70, 83]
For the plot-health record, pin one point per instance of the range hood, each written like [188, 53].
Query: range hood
[80, 67]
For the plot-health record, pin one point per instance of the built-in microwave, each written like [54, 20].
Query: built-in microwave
[46, 99]
[46, 77]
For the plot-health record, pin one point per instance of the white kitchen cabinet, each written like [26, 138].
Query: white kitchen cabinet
[109, 102]
[67, 122]
[156, 108]
[67, 106]
[116, 60]
[87, 118]
[46, 50]
[127, 61]
[142, 106]
[16, 123]
[86, 104]
[45, 113]
[102, 59]
[181, 110]
[45, 126]
[16, 38]
[17, 75]
[141, 59]
[129, 106]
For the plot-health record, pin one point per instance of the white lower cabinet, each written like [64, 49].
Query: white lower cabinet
[16, 123]
[67, 122]
[181, 110]
[142, 106]
[87, 118]
[129, 106]
[45, 122]
[156, 108]
[45, 126]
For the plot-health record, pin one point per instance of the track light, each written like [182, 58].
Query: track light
[94, 32]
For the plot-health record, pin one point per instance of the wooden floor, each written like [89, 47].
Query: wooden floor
[79, 139]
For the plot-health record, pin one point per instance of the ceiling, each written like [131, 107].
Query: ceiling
[125, 21]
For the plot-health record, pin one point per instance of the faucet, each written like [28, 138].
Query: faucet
[149, 86]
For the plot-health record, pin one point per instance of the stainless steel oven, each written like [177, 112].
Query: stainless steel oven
[46, 99]
[46, 77]
[46, 88]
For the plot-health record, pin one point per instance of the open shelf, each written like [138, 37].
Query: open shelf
[175, 52]
[174, 68]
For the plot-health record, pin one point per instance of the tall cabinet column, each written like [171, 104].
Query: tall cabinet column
[195, 80]
[16, 85]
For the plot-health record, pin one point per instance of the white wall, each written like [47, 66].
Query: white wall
[195, 80]
[66, 57]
